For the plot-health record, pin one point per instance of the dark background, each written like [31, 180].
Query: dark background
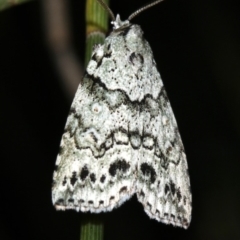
[196, 45]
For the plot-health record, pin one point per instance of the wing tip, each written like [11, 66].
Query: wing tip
[176, 221]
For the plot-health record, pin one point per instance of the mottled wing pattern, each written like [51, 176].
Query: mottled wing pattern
[121, 137]
[96, 165]
[163, 183]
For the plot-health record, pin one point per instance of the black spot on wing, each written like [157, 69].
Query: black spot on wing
[166, 189]
[93, 177]
[84, 173]
[172, 187]
[118, 166]
[149, 171]
[103, 178]
[73, 179]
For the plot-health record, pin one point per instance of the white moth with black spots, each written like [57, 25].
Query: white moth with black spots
[121, 136]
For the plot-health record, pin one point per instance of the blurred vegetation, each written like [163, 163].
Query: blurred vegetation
[4, 4]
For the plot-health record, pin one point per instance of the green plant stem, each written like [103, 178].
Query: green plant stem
[96, 26]
[92, 227]
[4, 4]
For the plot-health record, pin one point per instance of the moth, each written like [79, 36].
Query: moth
[121, 136]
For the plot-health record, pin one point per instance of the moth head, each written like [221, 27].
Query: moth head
[117, 23]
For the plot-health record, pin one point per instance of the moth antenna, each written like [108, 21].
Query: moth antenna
[106, 7]
[143, 9]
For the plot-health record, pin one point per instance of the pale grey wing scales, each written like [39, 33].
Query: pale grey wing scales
[163, 183]
[121, 137]
[95, 166]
